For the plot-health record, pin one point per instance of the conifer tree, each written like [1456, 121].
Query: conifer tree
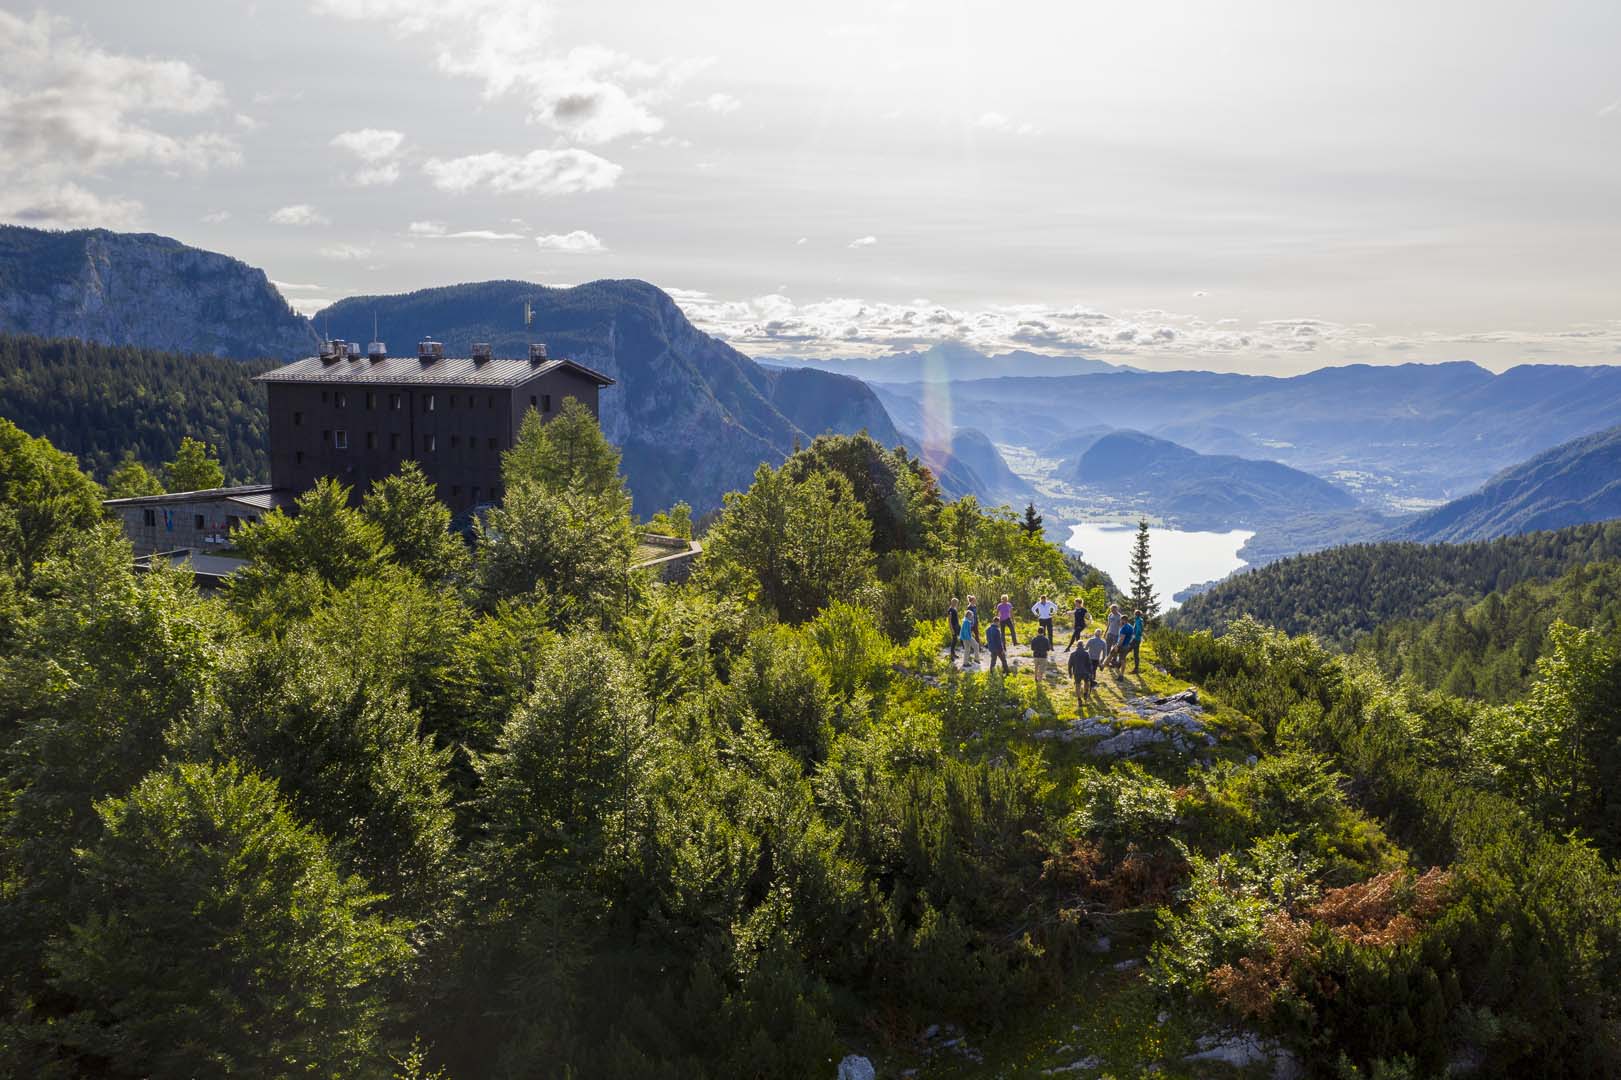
[1032, 522]
[132, 479]
[1142, 588]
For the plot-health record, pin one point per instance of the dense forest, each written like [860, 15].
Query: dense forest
[395, 804]
[1345, 592]
[104, 403]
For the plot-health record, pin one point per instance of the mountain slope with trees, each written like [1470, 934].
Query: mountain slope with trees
[1345, 592]
[105, 403]
[1576, 482]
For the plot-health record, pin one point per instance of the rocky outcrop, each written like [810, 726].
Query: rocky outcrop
[1172, 723]
[143, 290]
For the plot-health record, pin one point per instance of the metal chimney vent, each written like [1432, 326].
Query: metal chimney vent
[353, 352]
[428, 350]
[377, 351]
[329, 351]
[537, 353]
[482, 352]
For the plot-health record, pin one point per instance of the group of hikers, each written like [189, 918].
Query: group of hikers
[1107, 647]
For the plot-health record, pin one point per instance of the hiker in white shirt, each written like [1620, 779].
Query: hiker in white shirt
[1043, 610]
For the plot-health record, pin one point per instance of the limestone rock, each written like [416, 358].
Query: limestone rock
[856, 1067]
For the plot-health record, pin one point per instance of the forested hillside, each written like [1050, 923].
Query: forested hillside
[396, 805]
[102, 403]
[1490, 649]
[1347, 591]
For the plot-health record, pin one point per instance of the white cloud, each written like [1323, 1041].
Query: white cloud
[288, 286]
[863, 241]
[590, 94]
[426, 228]
[299, 214]
[345, 252]
[803, 240]
[539, 172]
[216, 217]
[369, 144]
[66, 206]
[1611, 109]
[718, 103]
[578, 242]
[67, 106]
[475, 234]
[377, 148]
[307, 305]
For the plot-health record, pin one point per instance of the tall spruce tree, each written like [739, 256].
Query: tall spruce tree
[1142, 589]
[1032, 522]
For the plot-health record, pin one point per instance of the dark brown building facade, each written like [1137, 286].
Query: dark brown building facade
[357, 418]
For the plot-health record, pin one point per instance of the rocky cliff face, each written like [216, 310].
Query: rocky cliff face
[145, 290]
[693, 416]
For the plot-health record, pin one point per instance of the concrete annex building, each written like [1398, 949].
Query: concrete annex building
[357, 417]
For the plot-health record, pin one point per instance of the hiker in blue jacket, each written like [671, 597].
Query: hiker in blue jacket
[1137, 643]
[996, 642]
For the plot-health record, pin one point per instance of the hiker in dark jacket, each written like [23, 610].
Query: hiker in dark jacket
[1137, 643]
[1082, 617]
[995, 641]
[1040, 646]
[973, 609]
[954, 624]
[1085, 674]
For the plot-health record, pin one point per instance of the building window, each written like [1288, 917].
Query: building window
[298, 419]
[341, 400]
[534, 402]
[371, 440]
[200, 521]
[341, 440]
[427, 403]
[430, 443]
[455, 491]
[455, 441]
[475, 493]
[492, 401]
[492, 442]
[394, 440]
[232, 522]
[393, 401]
[326, 436]
[452, 401]
[149, 518]
[298, 457]
[545, 403]
[371, 400]
[323, 397]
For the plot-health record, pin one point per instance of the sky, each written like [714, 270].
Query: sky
[1244, 186]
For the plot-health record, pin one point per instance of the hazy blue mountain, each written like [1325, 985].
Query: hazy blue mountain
[1070, 447]
[971, 465]
[1391, 434]
[143, 290]
[1201, 490]
[1574, 483]
[950, 362]
[693, 416]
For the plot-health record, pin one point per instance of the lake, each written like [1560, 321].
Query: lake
[1177, 559]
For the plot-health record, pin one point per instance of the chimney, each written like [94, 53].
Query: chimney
[429, 350]
[482, 353]
[377, 351]
[329, 351]
[353, 351]
[537, 353]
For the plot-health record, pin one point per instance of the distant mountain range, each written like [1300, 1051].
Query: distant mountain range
[970, 464]
[143, 290]
[949, 363]
[1578, 481]
[1394, 435]
[1216, 491]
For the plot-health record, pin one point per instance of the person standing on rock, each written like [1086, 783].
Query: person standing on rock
[1082, 617]
[1004, 617]
[954, 625]
[1040, 646]
[996, 643]
[1137, 643]
[968, 636]
[1043, 610]
[1085, 674]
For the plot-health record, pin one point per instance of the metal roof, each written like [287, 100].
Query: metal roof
[409, 371]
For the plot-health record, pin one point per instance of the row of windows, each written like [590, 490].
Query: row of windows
[340, 441]
[543, 402]
[149, 518]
